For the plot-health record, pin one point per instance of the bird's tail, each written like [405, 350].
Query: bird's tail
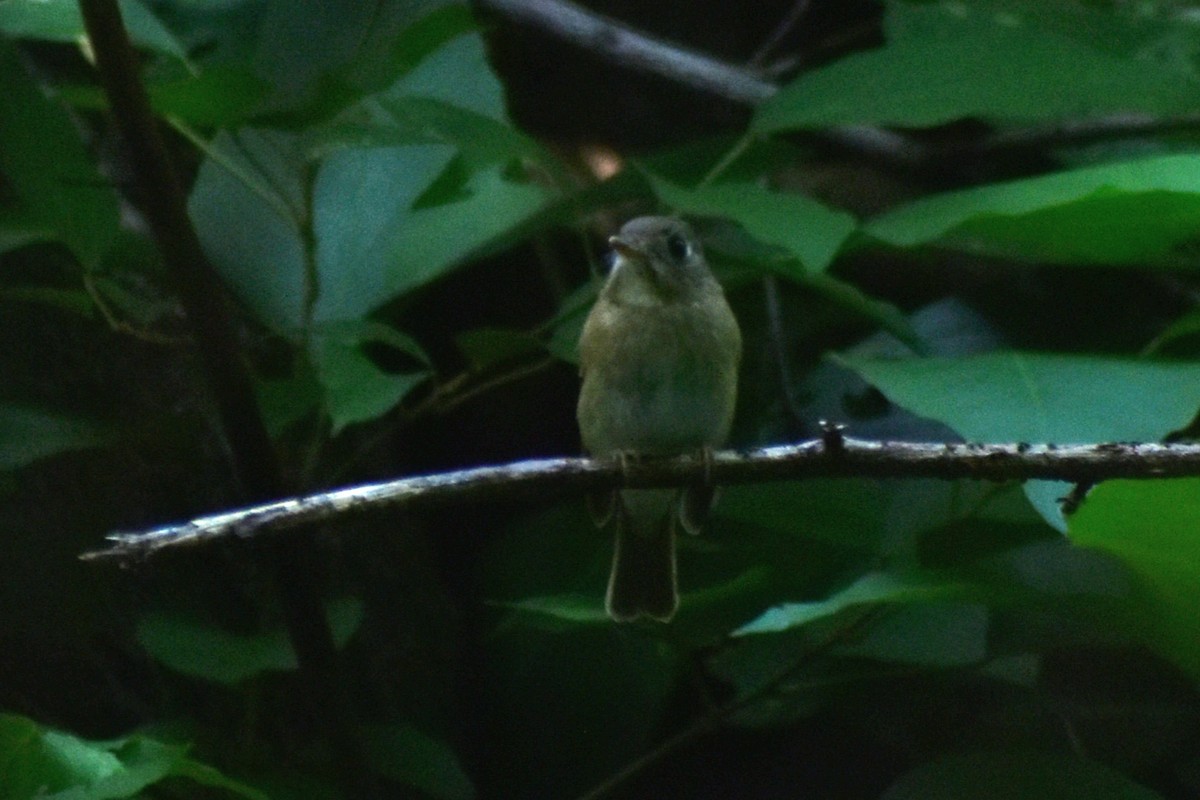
[643, 581]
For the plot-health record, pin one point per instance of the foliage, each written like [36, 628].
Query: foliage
[410, 269]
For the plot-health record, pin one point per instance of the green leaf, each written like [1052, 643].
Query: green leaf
[38, 761]
[872, 588]
[318, 56]
[1031, 397]
[356, 388]
[46, 166]
[1016, 776]
[405, 120]
[578, 609]
[946, 61]
[457, 73]
[806, 229]
[373, 245]
[213, 654]
[246, 205]
[1183, 329]
[928, 634]
[61, 21]
[20, 228]
[362, 201]
[1151, 526]
[435, 104]
[287, 400]
[28, 434]
[1130, 212]
[1036, 397]
[416, 759]
[219, 96]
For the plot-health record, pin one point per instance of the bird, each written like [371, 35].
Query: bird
[659, 356]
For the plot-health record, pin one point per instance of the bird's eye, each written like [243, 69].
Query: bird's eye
[678, 247]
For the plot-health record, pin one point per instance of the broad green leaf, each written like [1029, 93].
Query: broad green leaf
[373, 245]
[417, 759]
[28, 434]
[38, 761]
[219, 96]
[949, 60]
[210, 653]
[356, 388]
[1130, 212]
[1016, 776]
[362, 201]
[871, 589]
[450, 97]
[247, 204]
[1154, 527]
[60, 21]
[458, 74]
[318, 56]
[1031, 397]
[43, 163]
[1037, 397]
[391, 121]
[928, 634]
[806, 229]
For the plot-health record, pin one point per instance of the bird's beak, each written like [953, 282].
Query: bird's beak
[625, 249]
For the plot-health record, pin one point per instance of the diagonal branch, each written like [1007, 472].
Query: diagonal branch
[627, 46]
[623, 44]
[831, 456]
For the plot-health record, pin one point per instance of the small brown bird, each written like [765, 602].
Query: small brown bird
[659, 357]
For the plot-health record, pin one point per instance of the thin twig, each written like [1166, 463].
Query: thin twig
[786, 25]
[777, 337]
[544, 477]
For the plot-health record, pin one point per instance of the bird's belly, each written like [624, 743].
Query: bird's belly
[657, 406]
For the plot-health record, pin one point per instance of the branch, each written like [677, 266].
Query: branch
[627, 46]
[200, 290]
[831, 456]
[203, 297]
